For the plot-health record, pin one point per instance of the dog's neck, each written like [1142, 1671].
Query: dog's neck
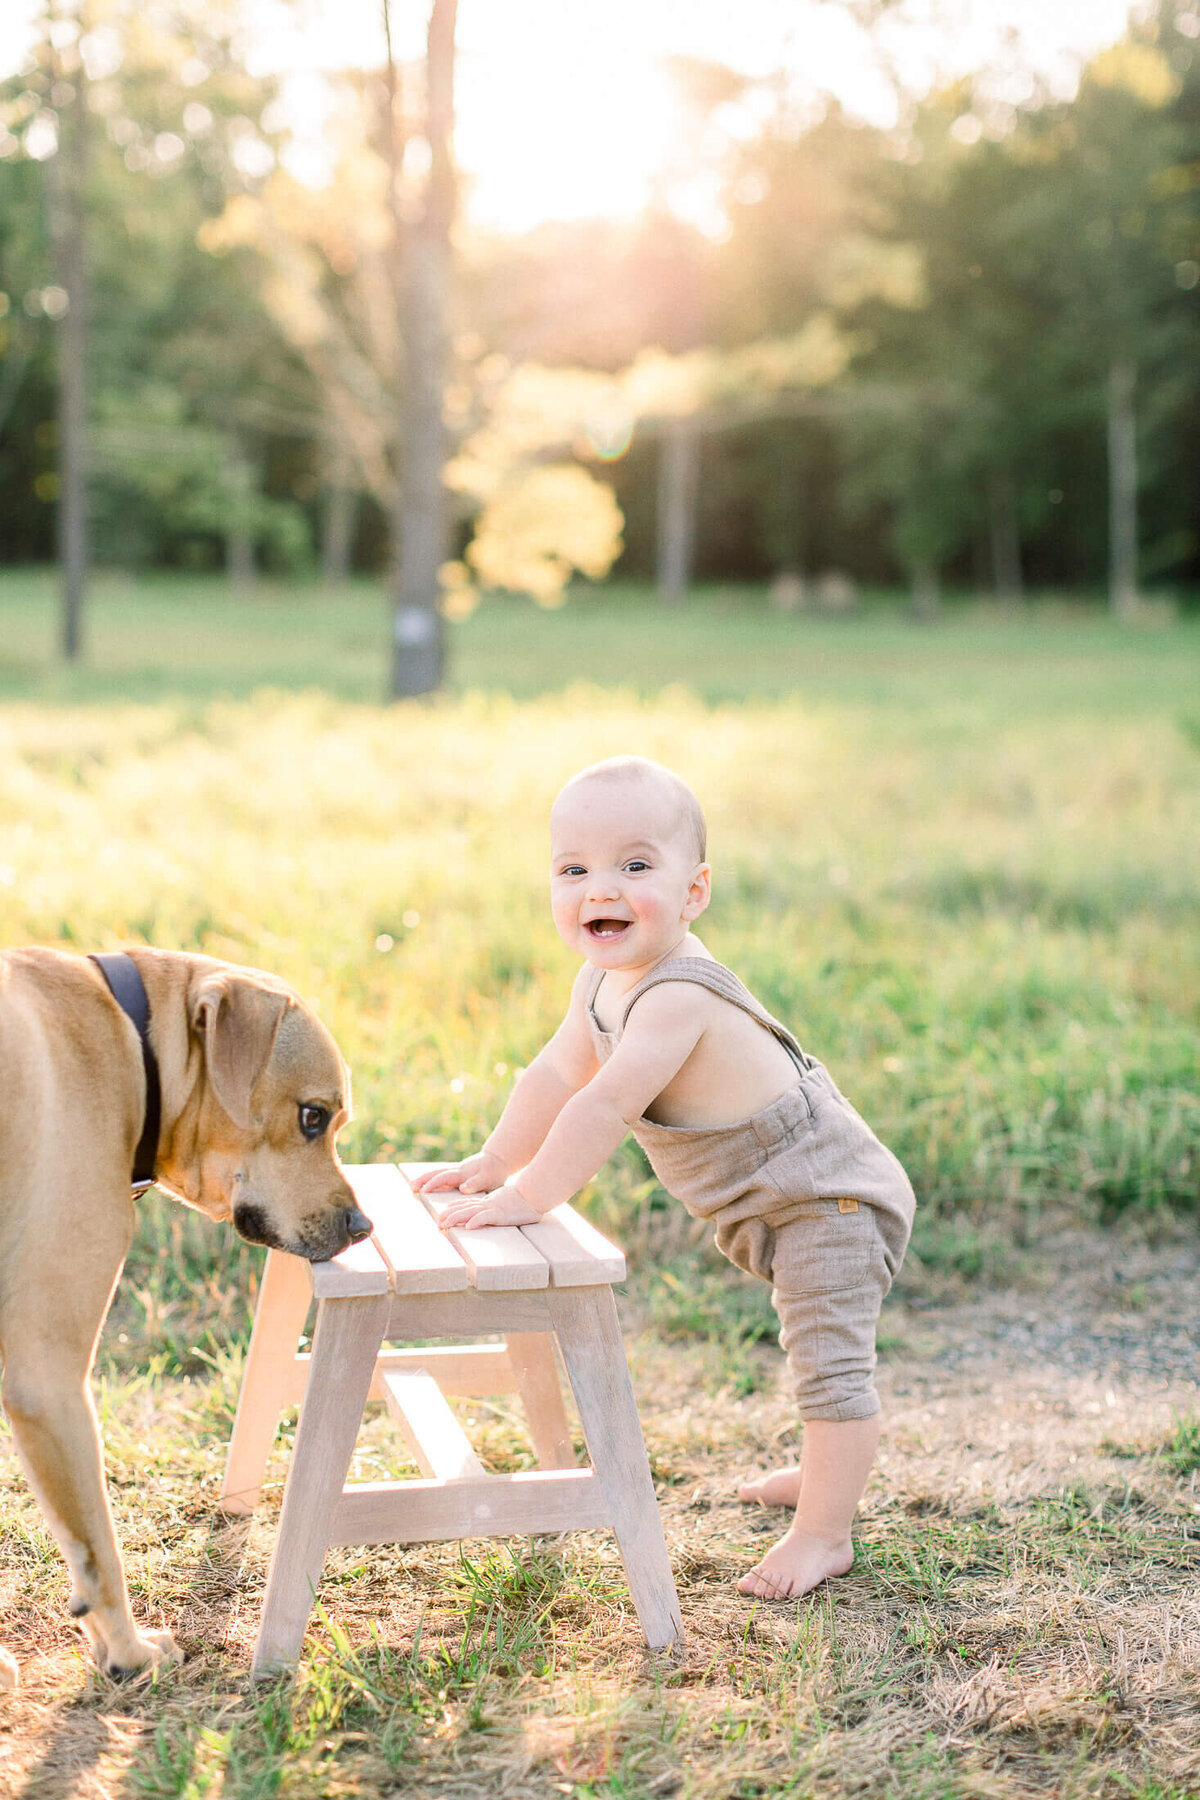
[129, 991]
[184, 1132]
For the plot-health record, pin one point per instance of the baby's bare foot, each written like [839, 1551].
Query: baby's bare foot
[780, 1488]
[795, 1565]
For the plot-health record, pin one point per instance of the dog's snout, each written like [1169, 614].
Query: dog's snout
[358, 1226]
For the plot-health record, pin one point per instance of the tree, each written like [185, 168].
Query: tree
[187, 378]
[68, 214]
[421, 511]
[1048, 299]
[1119, 284]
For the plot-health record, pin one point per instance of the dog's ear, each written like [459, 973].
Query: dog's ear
[238, 1016]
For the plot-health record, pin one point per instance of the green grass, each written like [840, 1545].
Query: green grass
[187, 638]
[959, 859]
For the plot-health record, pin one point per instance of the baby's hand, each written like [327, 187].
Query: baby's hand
[504, 1207]
[479, 1174]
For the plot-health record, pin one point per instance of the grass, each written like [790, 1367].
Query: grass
[190, 638]
[960, 860]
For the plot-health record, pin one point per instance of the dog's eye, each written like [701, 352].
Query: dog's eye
[313, 1120]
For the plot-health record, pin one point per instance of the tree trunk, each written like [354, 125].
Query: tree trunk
[1007, 577]
[338, 520]
[421, 515]
[68, 178]
[239, 535]
[677, 470]
[1122, 488]
[926, 591]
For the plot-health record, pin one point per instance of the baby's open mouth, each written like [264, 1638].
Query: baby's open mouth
[607, 928]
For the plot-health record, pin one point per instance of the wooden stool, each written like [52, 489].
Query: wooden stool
[409, 1280]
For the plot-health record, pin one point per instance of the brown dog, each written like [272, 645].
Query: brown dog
[253, 1093]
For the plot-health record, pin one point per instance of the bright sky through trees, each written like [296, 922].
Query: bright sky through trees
[566, 109]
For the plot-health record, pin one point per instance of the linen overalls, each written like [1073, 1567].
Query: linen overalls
[802, 1194]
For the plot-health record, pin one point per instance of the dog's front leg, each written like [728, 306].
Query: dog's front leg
[58, 1439]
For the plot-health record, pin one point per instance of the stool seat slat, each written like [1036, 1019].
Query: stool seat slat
[421, 1258]
[357, 1271]
[577, 1253]
[498, 1257]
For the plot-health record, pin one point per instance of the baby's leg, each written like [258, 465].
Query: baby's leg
[830, 1278]
[836, 1461]
[780, 1488]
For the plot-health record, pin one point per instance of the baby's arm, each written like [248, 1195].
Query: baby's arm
[559, 1070]
[662, 1032]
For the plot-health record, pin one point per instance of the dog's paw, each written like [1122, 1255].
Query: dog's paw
[10, 1675]
[154, 1653]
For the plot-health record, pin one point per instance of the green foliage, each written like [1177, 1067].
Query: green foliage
[1050, 250]
[185, 367]
[987, 264]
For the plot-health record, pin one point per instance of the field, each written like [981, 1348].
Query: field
[960, 860]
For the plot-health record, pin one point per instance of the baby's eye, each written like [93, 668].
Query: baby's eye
[573, 869]
[637, 866]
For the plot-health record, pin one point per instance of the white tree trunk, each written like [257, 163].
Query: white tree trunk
[68, 180]
[240, 565]
[677, 470]
[421, 514]
[926, 591]
[338, 520]
[1007, 576]
[1122, 487]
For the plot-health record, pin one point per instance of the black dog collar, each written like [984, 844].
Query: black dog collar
[129, 992]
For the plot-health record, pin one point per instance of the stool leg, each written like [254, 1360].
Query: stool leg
[532, 1356]
[589, 1336]
[345, 1345]
[267, 1384]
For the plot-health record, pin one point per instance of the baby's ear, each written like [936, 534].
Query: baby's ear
[700, 892]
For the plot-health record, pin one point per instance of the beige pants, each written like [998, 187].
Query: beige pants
[830, 1261]
[829, 1269]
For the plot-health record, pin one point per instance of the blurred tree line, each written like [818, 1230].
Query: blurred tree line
[961, 350]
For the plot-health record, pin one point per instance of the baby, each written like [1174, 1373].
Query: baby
[738, 1122]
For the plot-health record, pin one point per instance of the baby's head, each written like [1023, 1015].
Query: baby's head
[641, 790]
[629, 871]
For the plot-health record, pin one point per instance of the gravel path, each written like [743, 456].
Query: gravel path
[1090, 1304]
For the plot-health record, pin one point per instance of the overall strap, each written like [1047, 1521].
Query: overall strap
[129, 991]
[595, 977]
[722, 981]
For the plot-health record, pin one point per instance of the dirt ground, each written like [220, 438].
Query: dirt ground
[1001, 1392]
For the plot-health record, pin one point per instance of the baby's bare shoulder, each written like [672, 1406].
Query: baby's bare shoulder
[665, 1003]
[677, 1002]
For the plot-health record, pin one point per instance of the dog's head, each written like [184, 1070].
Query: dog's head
[272, 1095]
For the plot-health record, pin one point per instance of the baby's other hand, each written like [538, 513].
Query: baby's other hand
[504, 1207]
[479, 1174]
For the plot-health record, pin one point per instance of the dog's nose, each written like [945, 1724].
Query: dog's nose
[357, 1224]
